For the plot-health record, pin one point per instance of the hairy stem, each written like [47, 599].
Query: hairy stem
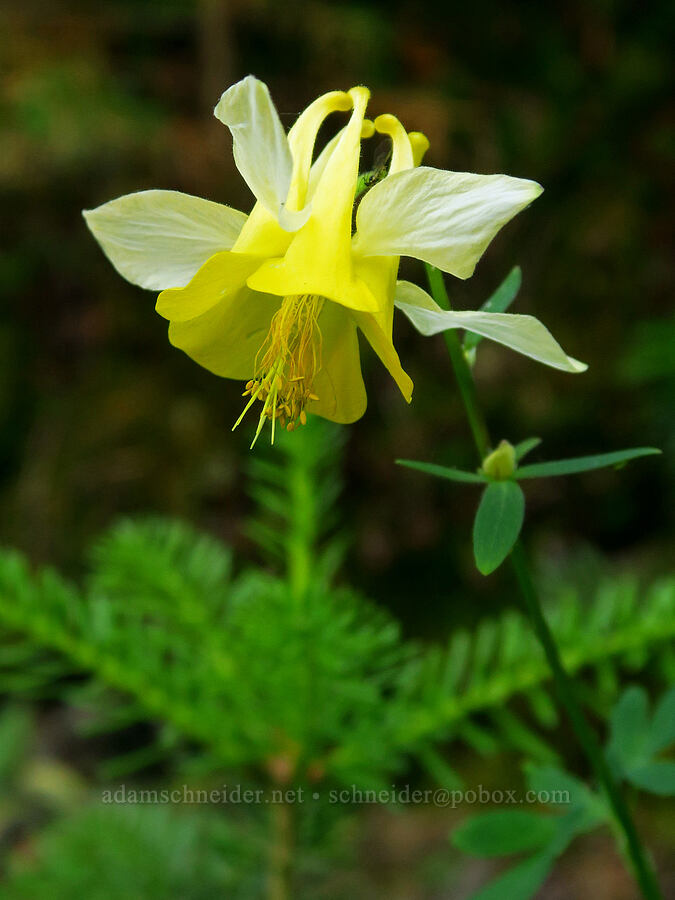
[564, 684]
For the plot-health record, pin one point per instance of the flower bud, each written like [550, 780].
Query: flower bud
[501, 463]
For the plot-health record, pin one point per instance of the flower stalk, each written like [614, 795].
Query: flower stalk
[564, 684]
[280, 879]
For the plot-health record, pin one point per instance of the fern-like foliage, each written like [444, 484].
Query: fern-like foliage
[620, 630]
[255, 673]
[118, 852]
[295, 488]
[284, 674]
[243, 667]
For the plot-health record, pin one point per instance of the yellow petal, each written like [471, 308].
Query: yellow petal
[301, 140]
[379, 272]
[383, 346]
[420, 144]
[320, 163]
[262, 232]
[221, 276]
[318, 260]
[226, 338]
[339, 383]
[402, 152]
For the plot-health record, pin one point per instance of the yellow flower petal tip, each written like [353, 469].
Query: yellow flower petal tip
[341, 101]
[420, 144]
[386, 123]
[367, 129]
[359, 94]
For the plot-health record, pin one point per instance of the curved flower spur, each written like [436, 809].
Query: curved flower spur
[275, 298]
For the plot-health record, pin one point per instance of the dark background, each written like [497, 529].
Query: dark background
[101, 417]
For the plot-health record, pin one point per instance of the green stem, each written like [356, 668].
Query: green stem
[567, 695]
[467, 386]
[300, 540]
[564, 684]
[280, 881]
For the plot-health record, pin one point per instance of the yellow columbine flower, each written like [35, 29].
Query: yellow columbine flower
[275, 299]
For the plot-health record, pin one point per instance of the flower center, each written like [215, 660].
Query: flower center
[286, 364]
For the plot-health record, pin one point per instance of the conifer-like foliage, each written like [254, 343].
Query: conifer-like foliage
[283, 675]
[240, 666]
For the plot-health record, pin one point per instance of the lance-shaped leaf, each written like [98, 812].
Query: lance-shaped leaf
[524, 447]
[498, 302]
[443, 471]
[497, 524]
[502, 832]
[524, 334]
[583, 463]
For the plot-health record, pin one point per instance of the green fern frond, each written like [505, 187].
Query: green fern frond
[247, 674]
[622, 627]
[252, 671]
[113, 852]
[295, 488]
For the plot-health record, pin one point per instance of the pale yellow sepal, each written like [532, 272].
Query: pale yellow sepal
[158, 239]
[524, 334]
[260, 146]
[443, 218]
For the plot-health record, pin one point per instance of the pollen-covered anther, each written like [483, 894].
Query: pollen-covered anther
[287, 364]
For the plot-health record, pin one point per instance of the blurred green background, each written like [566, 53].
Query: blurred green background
[100, 416]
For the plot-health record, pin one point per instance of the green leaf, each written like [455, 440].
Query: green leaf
[524, 447]
[583, 463]
[501, 833]
[521, 882]
[497, 524]
[543, 707]
[500, 301]
[521, 737]
[630, 729]
[443, 471]
[556, 786]
[439, 769]
[662, 732]
[479, 738]
[657, 777]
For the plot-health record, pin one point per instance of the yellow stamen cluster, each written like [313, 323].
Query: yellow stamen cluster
[287, 364]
